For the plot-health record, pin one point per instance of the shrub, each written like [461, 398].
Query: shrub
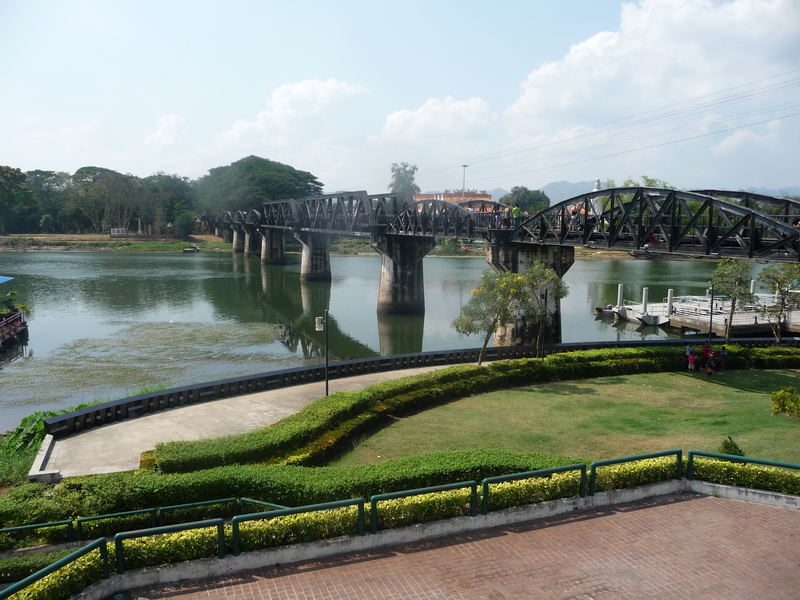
[67, 581]
[728, 446]
[287, 486]
[424, 508]
[642, 472]
[752, 476]
[786, 400]
[293, 529]
[539, 489]
[17, 568]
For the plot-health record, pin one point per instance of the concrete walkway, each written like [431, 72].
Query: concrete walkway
[118, 446]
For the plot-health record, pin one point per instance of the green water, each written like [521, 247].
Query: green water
[103, 325]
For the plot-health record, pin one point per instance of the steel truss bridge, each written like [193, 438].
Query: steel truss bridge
[710, 223]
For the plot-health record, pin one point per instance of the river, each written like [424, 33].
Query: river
[103, 324]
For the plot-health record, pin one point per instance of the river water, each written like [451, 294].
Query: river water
[103, 325]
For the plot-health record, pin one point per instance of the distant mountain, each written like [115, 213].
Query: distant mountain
[562, 190]
[498, 193]
[787, 191]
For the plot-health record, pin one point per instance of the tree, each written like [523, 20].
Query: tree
[546, 289]
[251, 181]
[46, 223]
[51, 190]
[184, 224]
[651, 182]
[730, 278]
[169, 194]
[403, 179]
[13, 193]
[88, 195]
[531, 201]
[501, 297]
[783, 281]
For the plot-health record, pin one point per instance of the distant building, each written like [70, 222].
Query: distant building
[456, 196]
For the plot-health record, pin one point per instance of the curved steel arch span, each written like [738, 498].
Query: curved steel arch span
[651, 220]
[663, 221]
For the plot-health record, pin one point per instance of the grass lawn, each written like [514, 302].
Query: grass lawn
[606, 417]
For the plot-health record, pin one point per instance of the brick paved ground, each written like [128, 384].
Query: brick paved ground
[678, 547]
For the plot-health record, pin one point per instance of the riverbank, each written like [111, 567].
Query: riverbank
[104, 243]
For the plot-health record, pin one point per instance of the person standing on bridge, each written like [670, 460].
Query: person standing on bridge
[515, 213]
[507, 216]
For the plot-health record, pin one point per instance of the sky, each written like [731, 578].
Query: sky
[697, 93]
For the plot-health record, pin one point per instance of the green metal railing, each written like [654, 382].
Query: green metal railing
[99, 544]
[244, 501]
[279, 510]
[373, 502]
[529, 475]
[130, 513]
[616, 461]
[129, 535]
[733, 458]
[68, 524]
[234, 502]
[359, 502]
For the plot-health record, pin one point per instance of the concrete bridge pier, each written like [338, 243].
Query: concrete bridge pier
[518, 258]
[402, 287]
[252, 241]
[238, 240]
[273, 248]
[315, 263]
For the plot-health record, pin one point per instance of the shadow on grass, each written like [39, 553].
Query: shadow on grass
[753, 380]
[576, 387]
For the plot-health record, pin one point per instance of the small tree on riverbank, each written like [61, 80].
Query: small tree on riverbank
[502, 297]
[783, 281]
[730, 278]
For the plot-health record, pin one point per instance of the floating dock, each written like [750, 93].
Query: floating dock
[699, 313]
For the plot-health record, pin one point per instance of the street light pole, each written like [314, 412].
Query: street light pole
[464, 182]
[321, 323]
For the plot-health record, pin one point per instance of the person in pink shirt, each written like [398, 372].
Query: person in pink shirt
[691, 359]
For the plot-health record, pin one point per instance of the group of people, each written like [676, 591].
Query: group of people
[510, 217]
[709, 359]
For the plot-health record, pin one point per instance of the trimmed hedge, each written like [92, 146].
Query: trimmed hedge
[757, 477]
[257, 535]
[328, 426]
[17, 568]
[287, 486]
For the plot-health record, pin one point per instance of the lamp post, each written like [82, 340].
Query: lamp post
[464, 182]
[321, 324]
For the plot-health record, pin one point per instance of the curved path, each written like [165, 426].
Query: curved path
[118, 446]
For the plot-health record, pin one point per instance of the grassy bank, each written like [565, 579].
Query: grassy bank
[604, 418]
[88, 243]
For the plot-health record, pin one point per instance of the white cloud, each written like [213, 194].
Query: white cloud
[292, 107]
[168, 131]
[665, 53]
[454, 119]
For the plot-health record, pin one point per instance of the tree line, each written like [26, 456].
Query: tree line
[96, 199]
